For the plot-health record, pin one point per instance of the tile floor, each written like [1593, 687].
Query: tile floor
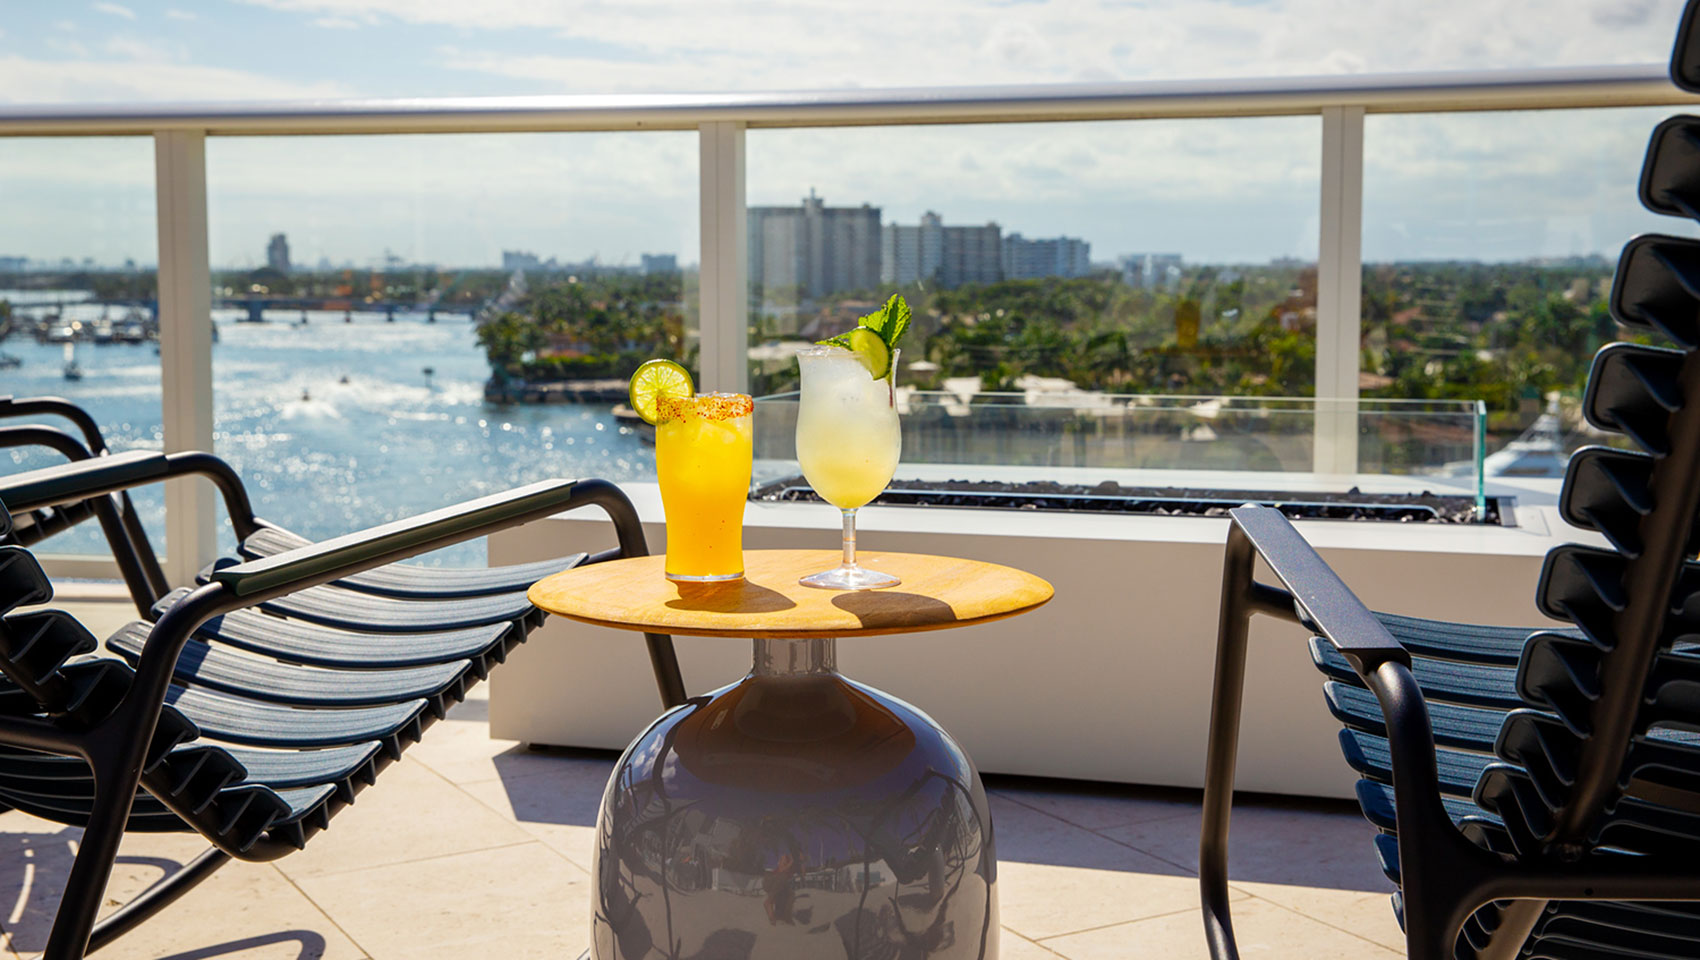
[476, 848]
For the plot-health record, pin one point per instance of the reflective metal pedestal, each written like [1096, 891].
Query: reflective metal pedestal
[795, 815]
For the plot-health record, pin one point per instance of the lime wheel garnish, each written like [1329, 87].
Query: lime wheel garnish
[656, 379]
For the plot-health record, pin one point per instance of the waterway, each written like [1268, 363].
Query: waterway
[333, 425]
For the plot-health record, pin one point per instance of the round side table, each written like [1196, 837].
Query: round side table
[795, 814]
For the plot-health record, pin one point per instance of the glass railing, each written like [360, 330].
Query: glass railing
[486, 347]
[998, 237]
[77, 300]
[1489, 241]
[1093, 446]
[1198, 238]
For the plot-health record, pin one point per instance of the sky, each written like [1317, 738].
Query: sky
[1496, 186]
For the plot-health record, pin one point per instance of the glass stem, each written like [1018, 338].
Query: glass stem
[850, 538]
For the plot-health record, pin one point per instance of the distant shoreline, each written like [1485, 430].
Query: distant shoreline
[604, 390]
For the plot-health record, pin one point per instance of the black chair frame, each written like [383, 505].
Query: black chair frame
[116, 745]
[1444, 877]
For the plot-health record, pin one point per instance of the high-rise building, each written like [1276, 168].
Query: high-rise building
[658, 263]
[910, 255]
[520, 260]
[937, 254]
[277, 253]
[972, 255]
[13, 264]
[1151, 269]
[1025, 259]
[814, 248]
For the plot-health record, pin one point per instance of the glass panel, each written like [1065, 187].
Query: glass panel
[1489, 245]
[1127, 257]
[1191, 448]
[78, 300]
[441, 317]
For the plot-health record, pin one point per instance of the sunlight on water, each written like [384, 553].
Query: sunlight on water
[336, 426]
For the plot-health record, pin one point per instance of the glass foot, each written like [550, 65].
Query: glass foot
[849, 578]
[708, 578]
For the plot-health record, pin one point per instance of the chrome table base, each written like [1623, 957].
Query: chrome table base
[795, 815]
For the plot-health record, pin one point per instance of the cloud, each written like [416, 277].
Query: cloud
[140, 50]
[1622, 13]
[745, 44]
[173, 13]
[1498, 185]
[69, 48]
[99, 79]
[114, 9]
[433, 197]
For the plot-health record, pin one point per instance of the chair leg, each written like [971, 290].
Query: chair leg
[144, 550]
[1242, 596]
[115, 781]
[157, 897]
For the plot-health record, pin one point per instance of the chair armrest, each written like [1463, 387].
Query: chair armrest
[11, 406]
[1323, 601]
[115, 473]
[37, 435]
[81, 479]
[374, 546]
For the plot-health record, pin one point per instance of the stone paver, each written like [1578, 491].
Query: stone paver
[1263, 929]
[522, 902]
[473, 847]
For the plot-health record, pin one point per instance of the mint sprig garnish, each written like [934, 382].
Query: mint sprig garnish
[890, 322]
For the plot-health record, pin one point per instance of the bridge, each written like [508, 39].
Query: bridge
[256, 306]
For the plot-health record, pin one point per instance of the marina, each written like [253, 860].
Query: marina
[371, 435]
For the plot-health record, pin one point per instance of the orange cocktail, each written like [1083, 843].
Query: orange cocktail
[702, 458]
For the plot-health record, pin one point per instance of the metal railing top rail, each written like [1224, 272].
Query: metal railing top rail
[1547, 88]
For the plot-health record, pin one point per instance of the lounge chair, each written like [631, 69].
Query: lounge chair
[248, 727]
[1547, 807]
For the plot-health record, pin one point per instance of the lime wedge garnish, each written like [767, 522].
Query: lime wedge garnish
[870, 348]
[658, 378]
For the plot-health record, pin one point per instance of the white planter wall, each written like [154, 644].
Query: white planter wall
[1110, 681]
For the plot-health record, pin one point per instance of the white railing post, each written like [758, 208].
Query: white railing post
[185, 343]
[724, 292]
[1339, 290]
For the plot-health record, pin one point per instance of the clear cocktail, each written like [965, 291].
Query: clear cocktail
[848, 437]
[848, 441]
[702, 459]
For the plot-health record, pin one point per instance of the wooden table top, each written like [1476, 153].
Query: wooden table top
[936, 593]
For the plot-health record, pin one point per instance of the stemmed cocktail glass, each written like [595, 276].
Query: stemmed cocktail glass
[848, 443]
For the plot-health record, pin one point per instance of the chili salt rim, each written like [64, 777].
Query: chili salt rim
[707, 406]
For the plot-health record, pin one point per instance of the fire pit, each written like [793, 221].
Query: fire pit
[1375, 461]
[1111, 497]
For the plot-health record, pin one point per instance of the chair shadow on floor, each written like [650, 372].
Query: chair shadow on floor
[312, 946]
[33, 869]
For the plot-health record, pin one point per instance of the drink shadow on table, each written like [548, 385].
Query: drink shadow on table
[729, 596]
[893, 609]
